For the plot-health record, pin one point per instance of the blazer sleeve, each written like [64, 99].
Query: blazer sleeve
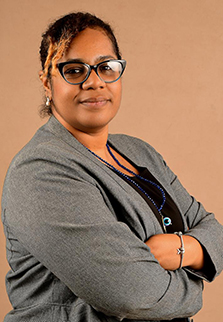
[201, 225]
[62, 219]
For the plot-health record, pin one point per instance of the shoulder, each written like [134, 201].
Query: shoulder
[51, 143]
[142, 154]
[41, 146]
[44, 152]
[134, 146]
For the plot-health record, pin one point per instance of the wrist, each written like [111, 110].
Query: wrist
[194, 256]
[181, 249]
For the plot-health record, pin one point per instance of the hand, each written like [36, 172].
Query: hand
[164, 248]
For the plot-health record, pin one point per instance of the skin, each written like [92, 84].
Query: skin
[86, 110]
[164, 248]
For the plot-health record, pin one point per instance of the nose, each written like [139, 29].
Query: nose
[93, 81]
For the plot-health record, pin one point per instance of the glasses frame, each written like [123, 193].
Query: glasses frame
[60, 67]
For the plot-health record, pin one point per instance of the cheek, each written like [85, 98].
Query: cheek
[60, 93]
[63, 92]
[117, 92]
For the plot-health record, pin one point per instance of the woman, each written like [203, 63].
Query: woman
[98, 228]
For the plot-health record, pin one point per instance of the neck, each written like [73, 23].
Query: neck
[96, 143]
[94, 139]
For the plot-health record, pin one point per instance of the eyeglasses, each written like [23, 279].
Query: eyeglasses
[108, 71]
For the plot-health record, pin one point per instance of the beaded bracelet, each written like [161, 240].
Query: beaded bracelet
[181, 250]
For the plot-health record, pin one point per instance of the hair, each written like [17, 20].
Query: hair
[57, 39]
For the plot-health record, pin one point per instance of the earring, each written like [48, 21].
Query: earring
[47, 101]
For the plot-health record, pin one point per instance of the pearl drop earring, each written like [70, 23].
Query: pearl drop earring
[47, 101]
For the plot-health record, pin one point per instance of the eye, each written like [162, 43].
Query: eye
[106, 68]
[74, 70]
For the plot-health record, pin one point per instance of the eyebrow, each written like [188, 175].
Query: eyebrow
[98, 59]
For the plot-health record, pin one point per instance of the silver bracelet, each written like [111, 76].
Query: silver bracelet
[181, 250]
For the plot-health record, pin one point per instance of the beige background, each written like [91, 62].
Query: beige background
[172, 95]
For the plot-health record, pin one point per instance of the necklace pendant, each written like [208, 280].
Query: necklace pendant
[167, 221]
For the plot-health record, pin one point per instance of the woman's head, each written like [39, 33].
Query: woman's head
[58, 37]
[84, 40]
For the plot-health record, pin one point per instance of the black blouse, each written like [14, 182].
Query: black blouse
[170, 209]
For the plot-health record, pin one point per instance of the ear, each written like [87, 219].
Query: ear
[46, 84]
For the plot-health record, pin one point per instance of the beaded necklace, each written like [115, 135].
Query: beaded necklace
[165, 220]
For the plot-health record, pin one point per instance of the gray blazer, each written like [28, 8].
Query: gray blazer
[75, 234]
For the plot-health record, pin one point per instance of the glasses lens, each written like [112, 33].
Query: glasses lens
[75, 73]
[110, 71]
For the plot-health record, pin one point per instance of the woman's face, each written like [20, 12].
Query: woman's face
[90, 106]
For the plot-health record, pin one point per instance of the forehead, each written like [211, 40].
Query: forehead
[90, 44]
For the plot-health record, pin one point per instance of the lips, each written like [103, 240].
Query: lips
[95, 101]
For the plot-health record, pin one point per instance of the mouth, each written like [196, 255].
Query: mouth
[95, 102]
